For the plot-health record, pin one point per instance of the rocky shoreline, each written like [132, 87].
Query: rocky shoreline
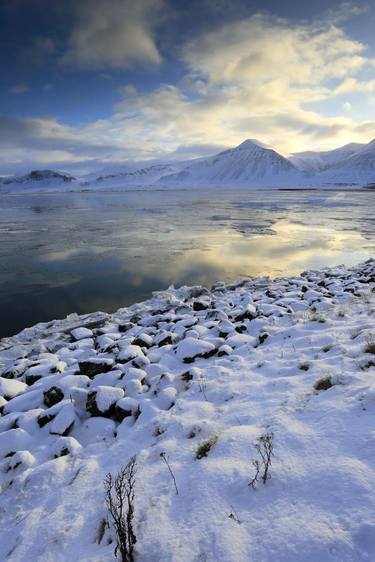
[223, 364]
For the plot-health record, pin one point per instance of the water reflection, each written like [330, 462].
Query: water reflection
[85, 252]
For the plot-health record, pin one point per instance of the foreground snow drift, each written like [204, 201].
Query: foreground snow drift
[197, 375]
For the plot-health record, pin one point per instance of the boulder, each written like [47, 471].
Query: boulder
[125, 407]
[95, 366]
[52, 396]
[102, 400]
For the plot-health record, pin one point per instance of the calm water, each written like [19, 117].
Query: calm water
[63, 253]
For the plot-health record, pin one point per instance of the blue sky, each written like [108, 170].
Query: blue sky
[99, 82]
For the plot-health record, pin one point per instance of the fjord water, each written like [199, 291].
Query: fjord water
[81, 252]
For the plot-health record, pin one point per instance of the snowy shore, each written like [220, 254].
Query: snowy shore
[199, 375]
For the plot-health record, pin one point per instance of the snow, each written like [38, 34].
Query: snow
[10, 388]
[106, 396]
[290, 356]
[64, 420]
[190, 348]
[13, 440]
[81, 333]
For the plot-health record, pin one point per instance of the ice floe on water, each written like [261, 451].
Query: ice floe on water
[203, 378]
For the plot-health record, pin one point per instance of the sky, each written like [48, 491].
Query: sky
[98, 83]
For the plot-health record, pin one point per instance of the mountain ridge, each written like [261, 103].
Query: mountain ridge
[251, 164]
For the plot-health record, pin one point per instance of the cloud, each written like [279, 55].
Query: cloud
[351, 85]
[264, 48]
[261, 77]
[347, 10]
[30, 142]
[114, 33]
[34, 142]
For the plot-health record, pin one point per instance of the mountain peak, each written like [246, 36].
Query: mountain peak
[250, 143]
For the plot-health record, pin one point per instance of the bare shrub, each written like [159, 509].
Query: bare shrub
[165, 459]
[101, 530]
[203, 387]
[264, 446]
[233, 515]
[119, 498]
[205, 447]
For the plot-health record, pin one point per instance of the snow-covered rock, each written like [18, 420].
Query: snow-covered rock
[81, 333]
[10, 388]
[102, 400]
[191, 348]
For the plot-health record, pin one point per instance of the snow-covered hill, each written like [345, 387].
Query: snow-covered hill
[198, 378]
[251, 163]
[42, 178]
[139, 176]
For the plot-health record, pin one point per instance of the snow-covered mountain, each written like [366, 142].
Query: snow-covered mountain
[315, 162]
[359, 168]
[250, 163]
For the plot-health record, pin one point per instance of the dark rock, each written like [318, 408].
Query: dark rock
[166, 341]
[30, 379]
[200, 305]
[142, 340]
[52, 396]
[93, 368]
[262, 338]
[91, 405]
[135, 318]
[92, 401]
[209, 354]
[245, 315]
[11, 454]
[63, 452]
[197, 291]
[8, 375]
[120, 413]
[43, 419]
[125, 327]
[323, 384]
